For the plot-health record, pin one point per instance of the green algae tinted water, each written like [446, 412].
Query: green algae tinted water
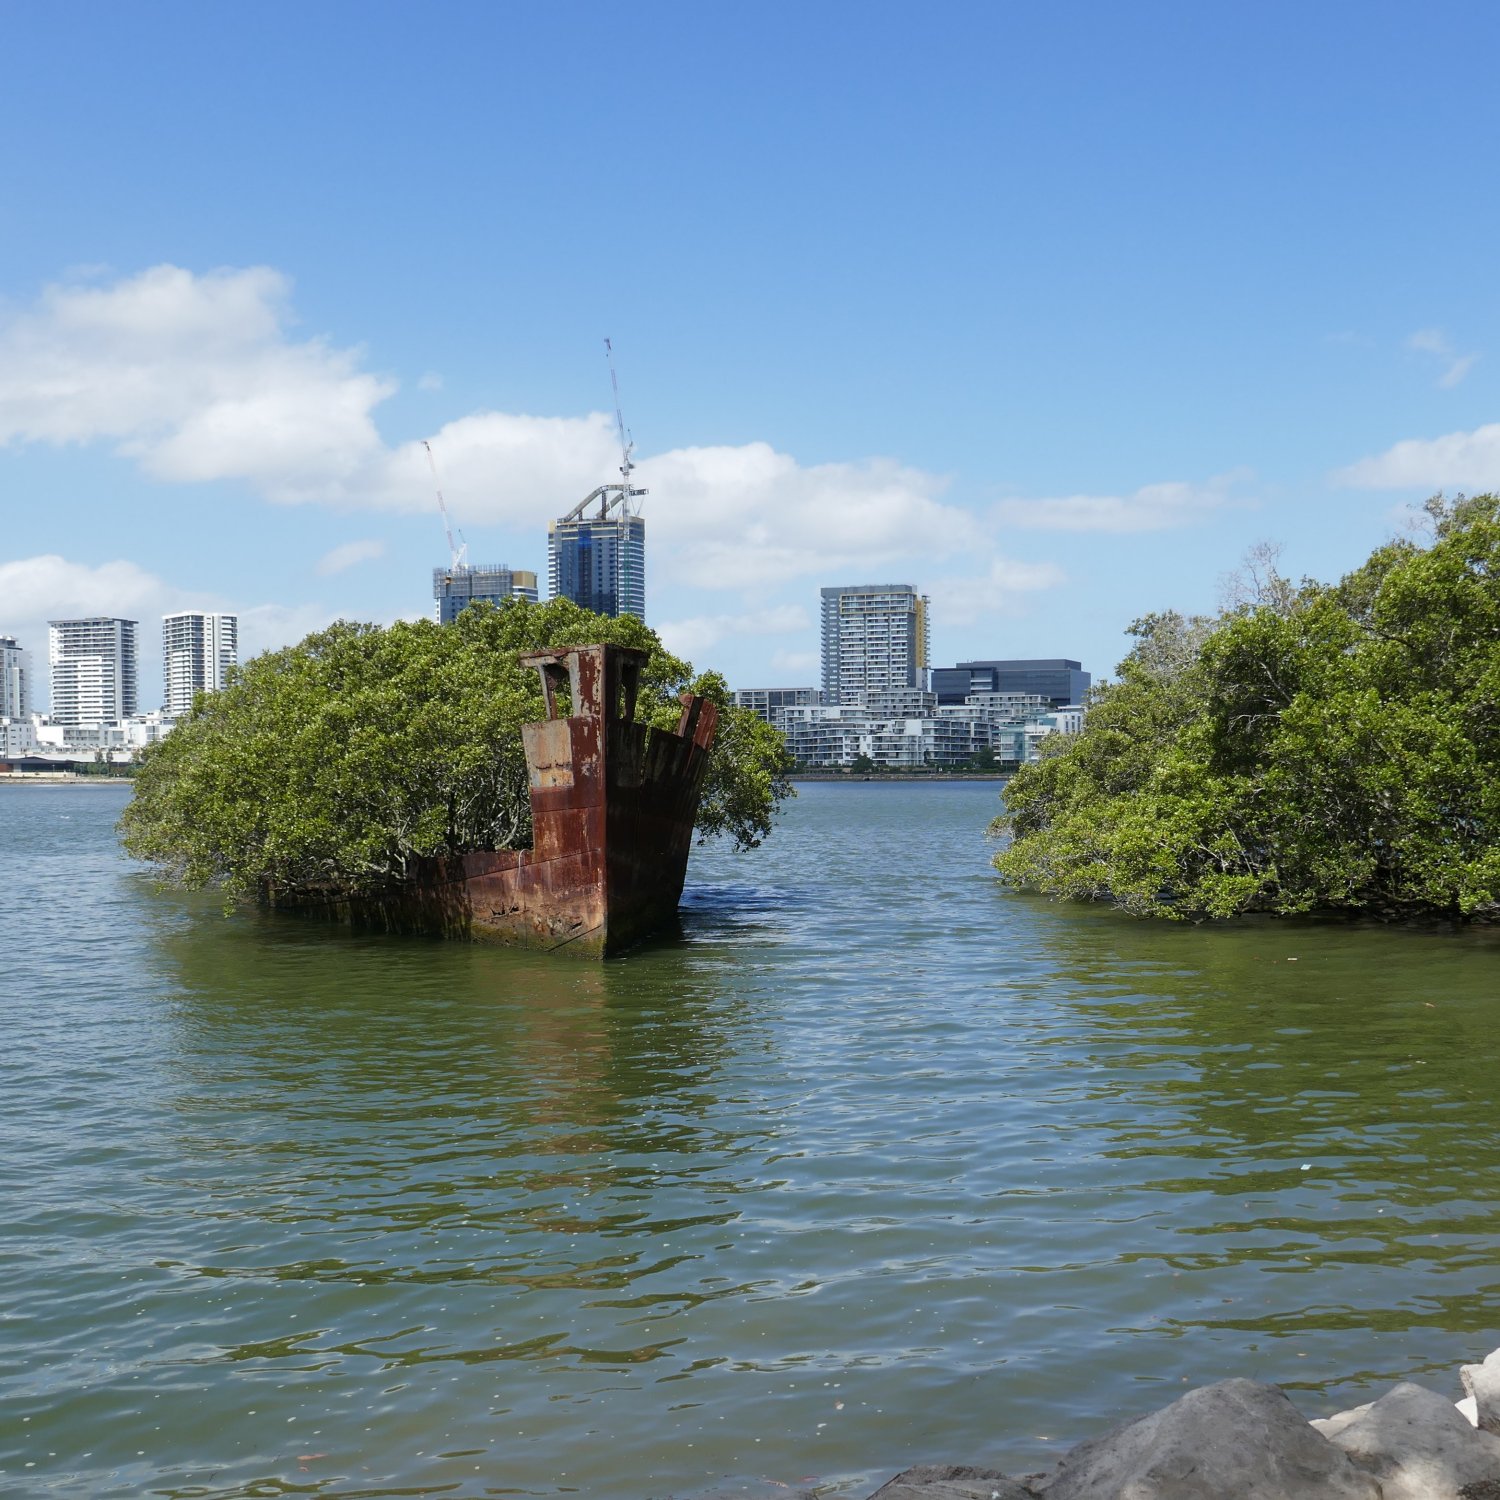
[877, 1164]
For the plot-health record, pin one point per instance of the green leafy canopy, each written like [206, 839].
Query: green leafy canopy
[332, 765]
[1311, 748]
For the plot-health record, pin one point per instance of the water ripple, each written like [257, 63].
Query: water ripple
[876, 1162]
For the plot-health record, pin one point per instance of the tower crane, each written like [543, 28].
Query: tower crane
[456, 554]
[627, 444]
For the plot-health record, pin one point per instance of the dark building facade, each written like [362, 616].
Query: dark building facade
[1057, 679]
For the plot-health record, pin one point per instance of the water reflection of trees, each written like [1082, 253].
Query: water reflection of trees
[429, 1112]
[1310, 1098]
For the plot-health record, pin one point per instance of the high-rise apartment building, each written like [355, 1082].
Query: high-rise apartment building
[15, 680]
[197, 651]
[94, 670]
[876, 639]
[463, 584]
[599, 561]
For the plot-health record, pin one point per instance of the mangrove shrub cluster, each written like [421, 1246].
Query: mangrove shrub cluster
[332, 765]
[1312, 748]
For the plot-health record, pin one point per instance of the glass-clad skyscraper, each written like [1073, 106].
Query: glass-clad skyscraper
[599, 561]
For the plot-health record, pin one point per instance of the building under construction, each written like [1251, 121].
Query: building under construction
[462, 584]
[597, 556]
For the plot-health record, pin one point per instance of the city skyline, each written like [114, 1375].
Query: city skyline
[1142, 293]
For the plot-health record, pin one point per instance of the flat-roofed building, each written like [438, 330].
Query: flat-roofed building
[876, 639]
[15, 679]
[1057, 679]
[95, 669]
[770, 703]
[197, 651]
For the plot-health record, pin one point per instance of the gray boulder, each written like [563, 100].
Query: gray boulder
[1237, 1439]
[952, 1482]
[1420, 1447]
[1338, 1422]
[1482, 1382]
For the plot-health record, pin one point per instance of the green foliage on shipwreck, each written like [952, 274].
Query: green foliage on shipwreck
[332, 765]
[1313, 748]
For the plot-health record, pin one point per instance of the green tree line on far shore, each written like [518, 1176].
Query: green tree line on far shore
[1312, 748]
[331, 766]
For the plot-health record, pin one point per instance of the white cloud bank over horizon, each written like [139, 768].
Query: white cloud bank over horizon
[1457, 460]
[199, 378]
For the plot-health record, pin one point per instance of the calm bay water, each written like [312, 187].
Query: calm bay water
[878, 1163]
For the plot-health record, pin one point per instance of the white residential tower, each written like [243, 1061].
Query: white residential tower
[94, 670]
[197, 651]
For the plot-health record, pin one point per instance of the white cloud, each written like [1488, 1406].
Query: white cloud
[1153, 507]
[197, 378]
[268, 627]
[348, 554]
[1457, 370]
[1434, 341]
[1458, 460]
[998, 591]
[36, 589]
[692, 636]
[429, 380]
[807, 665]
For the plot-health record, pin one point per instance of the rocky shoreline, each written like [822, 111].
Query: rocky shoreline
[1244, 1440]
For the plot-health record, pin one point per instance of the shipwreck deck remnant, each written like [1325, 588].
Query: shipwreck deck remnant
[613, 804]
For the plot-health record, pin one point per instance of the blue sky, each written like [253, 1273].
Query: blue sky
[1052, 311]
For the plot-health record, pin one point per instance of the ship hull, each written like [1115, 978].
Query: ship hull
[613, 805]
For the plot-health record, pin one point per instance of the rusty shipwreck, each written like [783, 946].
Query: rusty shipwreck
[612, 803]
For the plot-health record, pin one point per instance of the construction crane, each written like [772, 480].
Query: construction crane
[455, 553]
[627, 491]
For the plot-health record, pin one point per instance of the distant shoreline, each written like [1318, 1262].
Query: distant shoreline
[60, 778]
[857, 776]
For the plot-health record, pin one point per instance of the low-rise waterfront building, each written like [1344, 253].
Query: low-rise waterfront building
[909, 730]
[768, 703]
[122, 735]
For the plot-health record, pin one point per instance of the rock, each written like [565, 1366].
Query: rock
[1421, 1447]
[1330, 1425]
[1482, 1382]
[947, 1482]
[1238, 1438]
